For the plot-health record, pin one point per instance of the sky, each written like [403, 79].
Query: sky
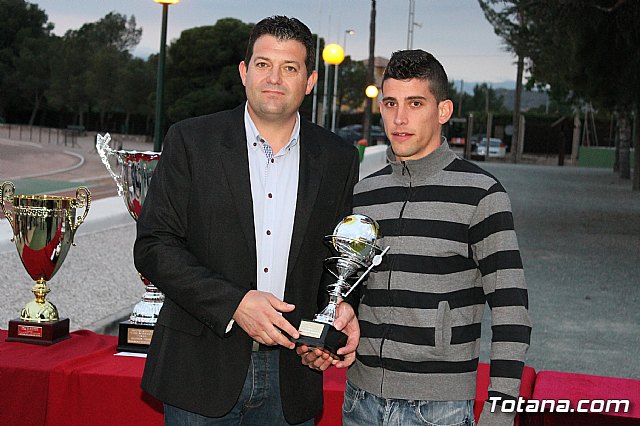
[454, 31]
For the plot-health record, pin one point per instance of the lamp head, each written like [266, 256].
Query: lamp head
[371, 91]
[333, 54]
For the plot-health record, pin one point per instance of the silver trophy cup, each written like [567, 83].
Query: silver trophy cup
[132, 180]
[355, 239]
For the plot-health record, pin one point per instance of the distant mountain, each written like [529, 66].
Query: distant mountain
[528, 101]
[506, 89]
[469, 85]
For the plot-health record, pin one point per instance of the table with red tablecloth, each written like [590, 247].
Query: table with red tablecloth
[102, 390]
[25, 372]
[573, 387]
[81, 381]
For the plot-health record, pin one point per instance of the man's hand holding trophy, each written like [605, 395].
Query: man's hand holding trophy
[355, 241]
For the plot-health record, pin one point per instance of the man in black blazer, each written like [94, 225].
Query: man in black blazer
[242, 198]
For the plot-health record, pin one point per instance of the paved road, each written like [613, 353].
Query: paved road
[579, 232]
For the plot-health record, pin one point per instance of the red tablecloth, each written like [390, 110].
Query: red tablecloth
[551, 385]
[104, 390]
[25, 371]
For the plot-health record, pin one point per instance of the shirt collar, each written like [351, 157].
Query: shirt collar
[253, 135]
[424, 167]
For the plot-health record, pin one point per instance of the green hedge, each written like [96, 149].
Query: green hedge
[599, 157]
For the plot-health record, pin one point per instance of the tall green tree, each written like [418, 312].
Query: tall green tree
[87, 65]
[135, 88]
[352, 83]
[586, 49]
[24, 30]
[508, 18]
[202, 69]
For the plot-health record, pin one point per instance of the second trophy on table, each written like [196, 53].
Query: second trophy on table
[355, 239]
[136, 169]
[43, 230]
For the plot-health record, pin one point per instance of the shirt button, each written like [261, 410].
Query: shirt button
[268, 232]
[266, 269]
[255, 144]
[270, 195]
[273, 161]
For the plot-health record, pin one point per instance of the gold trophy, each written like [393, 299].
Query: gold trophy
[132, 181]
[43, 230]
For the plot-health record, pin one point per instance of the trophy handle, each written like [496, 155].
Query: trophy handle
[83, 199]
[7, 189]
[377, 259]
[102, 146]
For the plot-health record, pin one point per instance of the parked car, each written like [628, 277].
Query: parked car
[353, 133]
[497, 149]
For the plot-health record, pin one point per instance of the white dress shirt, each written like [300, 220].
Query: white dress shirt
[274, 190]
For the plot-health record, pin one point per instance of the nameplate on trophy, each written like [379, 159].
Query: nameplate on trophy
[134, 337]
[29, 331]
[311, 329]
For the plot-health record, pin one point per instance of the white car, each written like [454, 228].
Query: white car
[497, 149]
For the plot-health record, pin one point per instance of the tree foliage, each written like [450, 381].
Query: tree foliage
[23, 33]
[202, 69]
[583, 50]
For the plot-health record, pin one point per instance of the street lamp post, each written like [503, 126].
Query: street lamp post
[344, 39]
[372, 93]
[157, 134]
[332, 54]
[334, 105]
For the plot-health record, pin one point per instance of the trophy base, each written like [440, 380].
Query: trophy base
[134, 337]
[320, 335]
[38, 333]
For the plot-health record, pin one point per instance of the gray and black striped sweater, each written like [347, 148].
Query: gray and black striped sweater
[453, 248]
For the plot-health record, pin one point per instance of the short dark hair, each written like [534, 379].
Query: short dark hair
[407, 64]
[284, 28]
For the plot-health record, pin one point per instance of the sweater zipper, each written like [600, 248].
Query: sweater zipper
[405, 169]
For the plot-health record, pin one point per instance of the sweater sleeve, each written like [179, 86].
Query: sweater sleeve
[495, 249]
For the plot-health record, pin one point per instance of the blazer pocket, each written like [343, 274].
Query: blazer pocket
[174, 317]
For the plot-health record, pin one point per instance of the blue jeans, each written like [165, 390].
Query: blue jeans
[362, 408]
[259, 402]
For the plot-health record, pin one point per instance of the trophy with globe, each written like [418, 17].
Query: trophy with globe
[355, 239]
[133, 179]
[43, 230]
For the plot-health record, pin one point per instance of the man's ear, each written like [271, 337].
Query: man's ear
[242, 68]
[311, 81]
[445, 110]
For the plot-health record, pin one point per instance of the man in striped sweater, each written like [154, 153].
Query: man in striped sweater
[453, 248]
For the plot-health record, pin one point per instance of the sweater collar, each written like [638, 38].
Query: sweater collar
[422, 168]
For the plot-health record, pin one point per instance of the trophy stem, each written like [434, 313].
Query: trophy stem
[328, 314]
[40, 290]
[39, 310]
[146, 311]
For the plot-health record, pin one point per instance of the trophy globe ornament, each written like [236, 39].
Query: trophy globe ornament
[43, 228]
[355, 241]
[133, 177]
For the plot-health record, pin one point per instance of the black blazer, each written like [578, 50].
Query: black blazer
[196, 243]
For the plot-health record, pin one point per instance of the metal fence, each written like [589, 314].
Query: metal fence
[49, 135]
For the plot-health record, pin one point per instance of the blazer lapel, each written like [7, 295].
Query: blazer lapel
[236, 168]
[312, 164]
